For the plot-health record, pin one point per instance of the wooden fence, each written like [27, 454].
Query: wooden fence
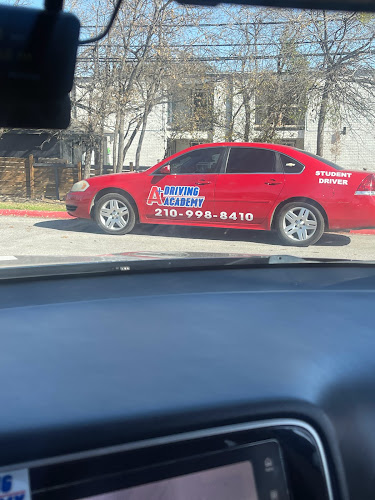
[14, 177]
[108, 169]
[43, 178]
[47, 178]
[52, 177]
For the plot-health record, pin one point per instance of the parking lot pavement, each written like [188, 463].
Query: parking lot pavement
[30, 236]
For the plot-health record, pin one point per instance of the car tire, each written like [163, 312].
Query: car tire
[114, 214]
[299, 224]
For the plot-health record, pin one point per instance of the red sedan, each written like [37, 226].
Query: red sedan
[239, 185]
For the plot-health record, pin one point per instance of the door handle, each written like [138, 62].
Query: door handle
[202, 183]
[272, 182]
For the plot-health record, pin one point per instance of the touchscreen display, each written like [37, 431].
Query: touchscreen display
[229, 482]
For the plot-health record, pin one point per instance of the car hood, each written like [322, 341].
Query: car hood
[111, 177]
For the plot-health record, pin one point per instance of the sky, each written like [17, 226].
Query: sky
[38, 4]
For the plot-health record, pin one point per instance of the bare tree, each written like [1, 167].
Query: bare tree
[247, 74]
[343, 47]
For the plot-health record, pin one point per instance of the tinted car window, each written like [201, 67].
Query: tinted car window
[251, 161]
[199, 161]
[290, 165]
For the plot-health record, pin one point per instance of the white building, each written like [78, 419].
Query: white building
[351, 145]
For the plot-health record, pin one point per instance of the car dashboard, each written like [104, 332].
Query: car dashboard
[200, 382]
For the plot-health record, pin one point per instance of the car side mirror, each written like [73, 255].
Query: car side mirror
[165, 170]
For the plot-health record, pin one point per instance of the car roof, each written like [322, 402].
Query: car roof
[263, 145]
[274, 147]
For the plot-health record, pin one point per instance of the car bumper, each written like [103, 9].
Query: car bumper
[78, 204]
[359, 214]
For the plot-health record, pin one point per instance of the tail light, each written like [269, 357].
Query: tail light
[367, 186]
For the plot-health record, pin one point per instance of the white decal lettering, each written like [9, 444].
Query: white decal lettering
[323, 173]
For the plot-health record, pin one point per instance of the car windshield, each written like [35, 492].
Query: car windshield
[201, 130]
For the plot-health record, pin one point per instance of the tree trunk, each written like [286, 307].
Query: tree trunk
[324, 101]
[115, 140]
[141, 137]
[229, 113]
[131, 138]
[87, 168]
[246, 133]
[322, 120]
[101, 155]
[120, 156]
[96, 156]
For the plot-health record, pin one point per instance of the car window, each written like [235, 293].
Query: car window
[251, 161]
[199, 161]
[290, 165]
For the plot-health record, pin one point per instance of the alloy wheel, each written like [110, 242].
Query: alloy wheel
[114, 215]
[299, 224]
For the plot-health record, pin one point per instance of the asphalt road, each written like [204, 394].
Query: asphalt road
[31, 236]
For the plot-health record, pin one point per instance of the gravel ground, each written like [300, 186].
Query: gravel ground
[30, 236]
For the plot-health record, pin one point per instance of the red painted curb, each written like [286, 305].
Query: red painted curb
[362, 231]
[44, 214]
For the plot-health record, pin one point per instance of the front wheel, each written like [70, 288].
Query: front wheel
[114, 214]
[299, 224]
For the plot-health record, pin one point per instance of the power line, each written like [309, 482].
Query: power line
[207, 59]
[206, 25]
[200, 25]
[248, 44]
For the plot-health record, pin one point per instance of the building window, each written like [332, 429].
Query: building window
[191, 109]
[280, 106]
[292, 116]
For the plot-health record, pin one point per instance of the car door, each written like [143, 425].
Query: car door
[250, 185]
[187, 192]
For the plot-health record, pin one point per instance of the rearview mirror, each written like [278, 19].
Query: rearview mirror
[165, 170]
[37, 59]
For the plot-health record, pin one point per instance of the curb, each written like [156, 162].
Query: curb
[362, 231]
[43, 214]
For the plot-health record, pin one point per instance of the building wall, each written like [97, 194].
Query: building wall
[154, 143]
[350, 144]
[352, 147]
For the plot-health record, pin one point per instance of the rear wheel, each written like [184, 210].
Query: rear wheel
[299, 224]
[114, 214]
